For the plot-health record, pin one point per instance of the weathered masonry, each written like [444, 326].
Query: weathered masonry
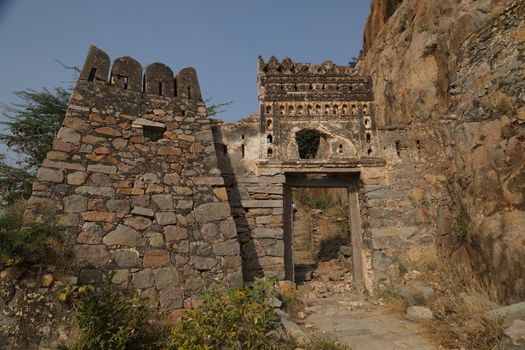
[264, 156]
[148, 186]
[133, 177]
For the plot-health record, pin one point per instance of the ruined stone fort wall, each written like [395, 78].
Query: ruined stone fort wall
[133, 178]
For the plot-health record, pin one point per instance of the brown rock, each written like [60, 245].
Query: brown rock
[143, 279]
[108, 131]
[77, 178]
[90, 139]
[171, 179]
[57, 155]
[101, 150]
[68, 135]
[169, 150]
[171, 298]
[212, 211]
[91, 255]
[47, 280]
[138, 222]
[221, 193]
[124, 235]
[75, 203]
[174, 233]
[50, 175]
[166, 218]
[156, 258]
[63, 165]
[98, 216]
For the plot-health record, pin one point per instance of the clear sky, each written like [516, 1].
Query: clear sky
[220, 38]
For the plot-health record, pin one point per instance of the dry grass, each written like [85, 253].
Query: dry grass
[460, 307]
[499, 102]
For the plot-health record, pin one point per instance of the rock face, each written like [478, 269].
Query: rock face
[380, 12]
[455, 72]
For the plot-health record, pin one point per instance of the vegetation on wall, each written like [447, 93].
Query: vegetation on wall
[40, 242]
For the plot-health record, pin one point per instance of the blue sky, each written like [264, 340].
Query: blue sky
[221, 39]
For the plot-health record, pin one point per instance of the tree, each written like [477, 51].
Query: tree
[216, 109]
[32, 125]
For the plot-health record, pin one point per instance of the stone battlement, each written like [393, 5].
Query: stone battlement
[288, 80]
[126, 73]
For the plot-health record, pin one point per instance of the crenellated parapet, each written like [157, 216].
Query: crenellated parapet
[287, 80]
[126, 73]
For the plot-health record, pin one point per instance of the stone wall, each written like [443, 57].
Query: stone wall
[133, 177]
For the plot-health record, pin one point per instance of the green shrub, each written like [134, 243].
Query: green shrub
[108, 319]
[239, 319]
[38, 243]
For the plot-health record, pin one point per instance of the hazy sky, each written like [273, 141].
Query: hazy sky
[220, 38]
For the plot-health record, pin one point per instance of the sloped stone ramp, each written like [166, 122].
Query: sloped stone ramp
[363, 326]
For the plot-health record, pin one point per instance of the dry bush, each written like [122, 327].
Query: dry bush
[499, 102]
[460, 307]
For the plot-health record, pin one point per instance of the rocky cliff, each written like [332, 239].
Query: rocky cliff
[456, 70]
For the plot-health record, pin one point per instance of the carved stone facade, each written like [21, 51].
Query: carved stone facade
[335, 101]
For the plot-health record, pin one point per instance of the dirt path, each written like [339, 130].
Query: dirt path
[361, 325]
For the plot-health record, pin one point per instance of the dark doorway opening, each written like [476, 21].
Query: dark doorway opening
[323, 199]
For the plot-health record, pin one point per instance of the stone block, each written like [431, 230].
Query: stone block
[171, 298]
[156, 258]
[91, 234]
[77, 178]
[67, 220]
[230, 247]
[203, 263]
[209, 232]
[266, 232]
[209, 180]
[124, 235]
[419, 314]
[90, 276]
[262, 203]
[227, 228]
[126, 257]
[105, 169]
[45, 174]
[119, 206]
[108, 131]
[166, 277]
[140, 211]
[174, 233]
[91, 255]
[166, 218]
[96, 191]
[155, 239]
[63, 165]
[143, 279]
[98, 216]
[212, 211]
[120, 277]
[68, 135]
[75, 203]
[137, 222]
[171, 179]
[184, 204]
[163, 201]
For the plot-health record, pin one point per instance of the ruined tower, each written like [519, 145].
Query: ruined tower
[133, 179]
